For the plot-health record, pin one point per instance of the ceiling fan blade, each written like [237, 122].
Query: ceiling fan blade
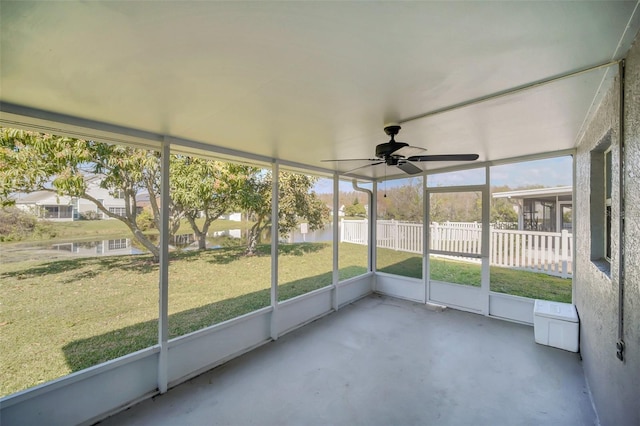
[409, 168]
[362, 167]
[409, 151]
[352, 159]
[444, 157]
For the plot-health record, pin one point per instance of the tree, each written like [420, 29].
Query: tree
[296, 201]
[355, 209]
[502, 211]
[402, 202]
[32, 161]
[207, 189]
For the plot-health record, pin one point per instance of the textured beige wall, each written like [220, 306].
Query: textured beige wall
[615, 385]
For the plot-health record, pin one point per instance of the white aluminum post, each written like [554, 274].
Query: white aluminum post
[275, 171]
[574, 227]
[486, 240]
[336, 218]
[373, 231]
[425, 239]
[163, 323]
[369, 222]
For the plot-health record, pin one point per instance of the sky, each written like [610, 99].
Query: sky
[548, 173]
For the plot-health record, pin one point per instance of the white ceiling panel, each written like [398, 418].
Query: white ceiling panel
[306, 81]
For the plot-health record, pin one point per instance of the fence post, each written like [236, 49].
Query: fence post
[564, 247]
[365, 233]
[341, 225]
[396, 235]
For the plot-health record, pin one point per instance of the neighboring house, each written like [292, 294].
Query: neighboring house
[234, 217]
[49, 205]
[542, 209]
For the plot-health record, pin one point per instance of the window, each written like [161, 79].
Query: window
[539, 215]
[600, 211]
[120, 243]
[607, 204]
[120, 211]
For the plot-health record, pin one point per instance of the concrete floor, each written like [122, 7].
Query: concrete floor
[384, 361]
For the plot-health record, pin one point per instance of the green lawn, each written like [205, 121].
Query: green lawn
[62, 316]
[503, 280]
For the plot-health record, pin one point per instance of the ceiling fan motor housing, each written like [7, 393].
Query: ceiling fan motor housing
[385, 150]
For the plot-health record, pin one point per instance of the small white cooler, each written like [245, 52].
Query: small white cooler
[556, 324]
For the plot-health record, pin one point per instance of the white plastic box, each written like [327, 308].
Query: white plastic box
[556, 324]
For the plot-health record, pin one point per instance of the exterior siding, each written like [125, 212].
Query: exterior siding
[615, 385]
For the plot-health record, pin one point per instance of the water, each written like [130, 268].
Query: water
[129, 246]
[67, 249]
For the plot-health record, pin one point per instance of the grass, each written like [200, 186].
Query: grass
[62, 316]
[66, 315]
[503, 280]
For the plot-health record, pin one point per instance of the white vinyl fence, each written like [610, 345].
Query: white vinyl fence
[547, 252]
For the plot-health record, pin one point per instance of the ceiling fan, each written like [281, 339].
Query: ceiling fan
[402, 155]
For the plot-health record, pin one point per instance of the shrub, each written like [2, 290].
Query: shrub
[17, 225]
[145, 220]
[89, 215]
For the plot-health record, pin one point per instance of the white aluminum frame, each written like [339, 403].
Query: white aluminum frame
[485, 192]
[117, 384]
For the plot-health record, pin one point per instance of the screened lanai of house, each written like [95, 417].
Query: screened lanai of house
[299, 92]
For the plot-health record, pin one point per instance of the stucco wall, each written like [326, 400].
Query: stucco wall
[615, 385]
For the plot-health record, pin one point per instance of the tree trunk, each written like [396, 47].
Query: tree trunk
[142, 239]
[202, 239]
[252, 243]
[200, 235]
[253, 238]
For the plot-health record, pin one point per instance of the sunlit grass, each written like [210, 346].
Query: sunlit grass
[502, 280]
[61, 316]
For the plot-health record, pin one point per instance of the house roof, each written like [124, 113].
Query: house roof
[305, 81]
[42, 198]
[535, 193]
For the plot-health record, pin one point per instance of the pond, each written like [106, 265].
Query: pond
[125, 245]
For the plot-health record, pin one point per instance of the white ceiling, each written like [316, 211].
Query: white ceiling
[306, 81]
